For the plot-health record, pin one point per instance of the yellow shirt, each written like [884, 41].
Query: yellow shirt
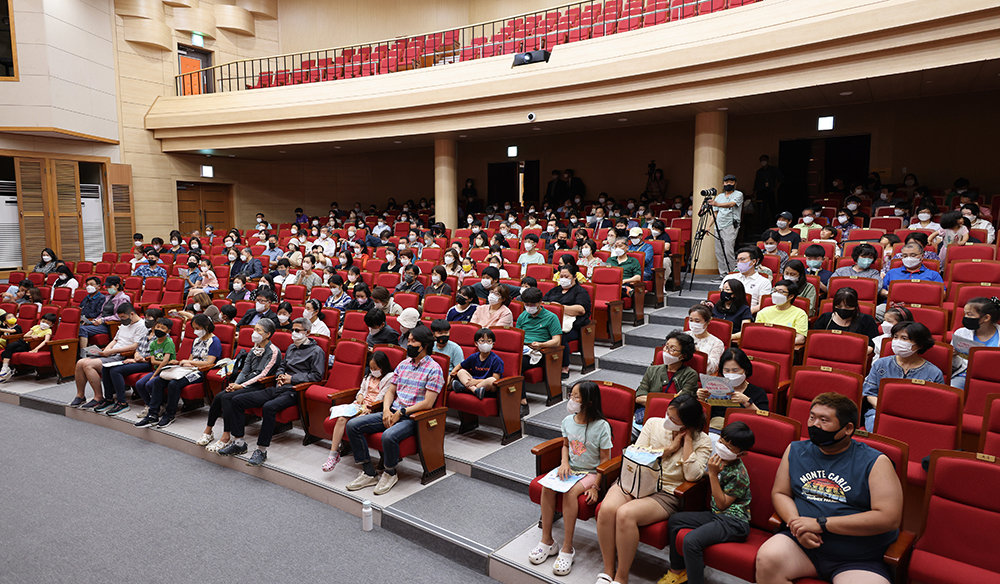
[793, 317]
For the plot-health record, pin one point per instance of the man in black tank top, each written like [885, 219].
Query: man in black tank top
[841, 501]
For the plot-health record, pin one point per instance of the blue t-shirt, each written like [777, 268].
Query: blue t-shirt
[456, 316]
[836, 486]
[481, 369]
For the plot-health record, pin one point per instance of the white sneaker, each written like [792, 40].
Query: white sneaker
[216, 446]
[362, 481]
[205, 439]
[386, 482]
[143, 413]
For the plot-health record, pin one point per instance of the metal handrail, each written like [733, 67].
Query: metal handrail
[562, 24]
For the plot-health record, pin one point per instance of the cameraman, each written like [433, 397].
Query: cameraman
[728, 205]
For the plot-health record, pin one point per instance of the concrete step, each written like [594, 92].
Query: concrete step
[686, 299]
[651, 335]
[672, 315]
[511, 467]
[627, 359]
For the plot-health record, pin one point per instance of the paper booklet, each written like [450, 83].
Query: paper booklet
[559, 485]
[344, 411]
[720, 391]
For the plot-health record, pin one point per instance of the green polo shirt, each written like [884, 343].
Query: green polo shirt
[630, 266]
[540, 327]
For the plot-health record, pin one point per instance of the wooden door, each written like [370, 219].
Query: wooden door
[201, 204]
[192, 83]
[69, 215]
[32, 207]
[120, 203]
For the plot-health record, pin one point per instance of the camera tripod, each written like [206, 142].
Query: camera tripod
[699, 237]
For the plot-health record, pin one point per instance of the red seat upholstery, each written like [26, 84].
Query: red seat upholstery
[354, 326]
[808, 382]
[773, 342]
[608, 304]
[773, 434]
[407, 299]
[350, 361]
[61, 352]
[618, 404]
[506, 403]
[961, 495]
[926, 416]
[940, 354]
[989, 437]
[838, 349]
[916, 292]
[295, 295]
[867, 288]
[981, 378]
[436, 306]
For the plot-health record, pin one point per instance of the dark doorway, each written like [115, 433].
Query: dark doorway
[502, 183]
[190, 60]
[532, 182]
[810, 165]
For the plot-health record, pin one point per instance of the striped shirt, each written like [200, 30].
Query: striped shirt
[412, 381]
[143, 349]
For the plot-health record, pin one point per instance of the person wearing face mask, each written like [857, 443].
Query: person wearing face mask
[152, 267]
[495, 312]
[362, 296]
[698, 318]
[732, 306]
[636, 244]
[38, 335]
[531, 254]
[542, 331]
[853, 204]
[841, 527]
[979, 329]
[240, 291]
[865, 266]
[109, 310]
[847, 316]
[313, 312]
[380, 333]
[48, 264]
[293, 255]
[912, 269]
[631, 270]
[391, 263]
[910, 340]
[971, 213]
[953, 231]
[925, 214]
[272, 251]
[729, 207]
[807, 222]
[92, 303]
[250, 266]
[438, 284]
[672, 376]
[260, 310]
[783, 312]
[304, 362]
[478, 373]
[576, 304]
[766, 183]
[795, 272]
[418, 381]
[815, 257]
[155, 349]
[737, 367]
[893, 316]
[410, 283]
[284, 313]
[65, 279]
[466, 303]
[785, 231]
[747, 260]
[197, 304]
[306, 276]
[373, 388]
[339, 298]
[686, 450]
[770, 240]
[383, 300]
[131, 331]
[203, 279]
[729, 517]
[587, 259]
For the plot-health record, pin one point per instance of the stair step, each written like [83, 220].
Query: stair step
[686, 299]
[673, 315]
[511, 467]
[651, 335]
[627, 359]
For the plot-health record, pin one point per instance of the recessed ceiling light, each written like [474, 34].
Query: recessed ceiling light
[537, 129]
[462, 136]
[930, 82]
[281, 151]
[846, 93]
[398, 141]
[722, 109]
[232, 156]
[336, 147]
[622, 119]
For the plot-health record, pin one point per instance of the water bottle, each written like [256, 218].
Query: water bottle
[366, 515]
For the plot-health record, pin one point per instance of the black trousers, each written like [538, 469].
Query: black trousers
[572, 335]
[216, 409]
[15, 347]
[707, 529]
[271, 400]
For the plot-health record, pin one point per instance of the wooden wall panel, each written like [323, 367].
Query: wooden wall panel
[32, 207]
[121, 204]
[66, 180]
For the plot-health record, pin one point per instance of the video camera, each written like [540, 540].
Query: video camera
[709, 194]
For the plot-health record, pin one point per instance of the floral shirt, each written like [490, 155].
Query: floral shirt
[735, 482]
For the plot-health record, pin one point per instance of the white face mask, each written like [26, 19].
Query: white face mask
[315, 221]
[404, 261]
[237, 286]
[493, 298]
[781, 224]
[200, 333]
[852, 206]
[585, 252]
[904, 349]
[261, 307]
[886, 327]
[46, 258]
[669, 424]
[256, 337]
[232, 257]
[724, 452]
[698, 328]
[778, 299]
[808, 219]
[669, 359]
[911, 262]
[486, 282]
[529, 246]
[655, 232]
[842, 219]
[770, 247]
[635, 240]
[484, 347]
[618, 252]
[565, 282]
[551, 229]
[899, 212]
[390, 257]
[475, 230]
[531, 309]
[282, 318]
[573, 406]
[449, 260]
[298, 337]
[435, 279]
[736, 378]
[91, 289]
[196, 306]
[924, 217]
[308, 314]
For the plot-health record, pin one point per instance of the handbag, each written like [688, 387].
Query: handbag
[177, 373]
[567, 323]
[640, 474]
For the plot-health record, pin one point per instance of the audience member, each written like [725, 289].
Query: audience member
[910, 340]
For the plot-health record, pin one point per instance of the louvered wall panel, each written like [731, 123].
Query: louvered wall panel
[67, 176]
[30, 179]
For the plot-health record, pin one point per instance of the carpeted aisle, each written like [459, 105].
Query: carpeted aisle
[81, 503]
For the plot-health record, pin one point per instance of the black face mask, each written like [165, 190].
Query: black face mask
[971, 323]
[160, 333]
[461, 299]
[729, 188]
[443, 339]
[845, 313]
[271, 245]
[192, 266]
[412, 351]
[726, 296]
[150, 323]
[824, 438]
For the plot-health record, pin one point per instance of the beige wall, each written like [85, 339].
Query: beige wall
[146, 73]
[308, 25]
[65, 58]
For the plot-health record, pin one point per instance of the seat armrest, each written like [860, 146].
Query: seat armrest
[429, 414]
[693, 494]
[610, 466]
[551, 350]
[303, 386]
[899, 552]
[507, 381]
[775, 522]
[689, 487]
[343, 396]
[266, 381]
[548, 455]
[14, 337]
[206, 368]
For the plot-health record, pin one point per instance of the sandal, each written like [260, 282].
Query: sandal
[542, 552]
[564, 563]
[331, 462]
[205, 439]
[603, 578]
[216, 446]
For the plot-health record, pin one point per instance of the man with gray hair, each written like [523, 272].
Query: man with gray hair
[912, 269]
[305, 362]
[631, 270]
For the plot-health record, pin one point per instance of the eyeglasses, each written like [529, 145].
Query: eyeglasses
[673, 350]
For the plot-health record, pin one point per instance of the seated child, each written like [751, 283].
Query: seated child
[478, 373]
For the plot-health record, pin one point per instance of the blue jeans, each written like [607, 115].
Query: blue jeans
[143, 387]
[113, 379]
[359, 427]
[172, 388]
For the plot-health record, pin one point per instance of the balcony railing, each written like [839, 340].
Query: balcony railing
[546, 29]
